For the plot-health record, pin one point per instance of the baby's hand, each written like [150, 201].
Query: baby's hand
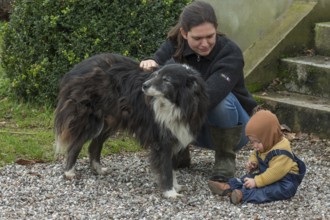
[249, 183]
[250, 166]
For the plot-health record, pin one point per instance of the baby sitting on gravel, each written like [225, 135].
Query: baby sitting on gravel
[274, 171]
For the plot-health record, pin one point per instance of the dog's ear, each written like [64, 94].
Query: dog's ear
[194, 82]
[193, 96]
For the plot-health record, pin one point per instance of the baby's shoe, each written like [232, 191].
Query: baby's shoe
[220, 188]
[236, 196]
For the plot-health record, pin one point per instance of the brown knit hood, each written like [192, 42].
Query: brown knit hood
[264, 126]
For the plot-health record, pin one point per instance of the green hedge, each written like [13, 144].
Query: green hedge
[45, 38]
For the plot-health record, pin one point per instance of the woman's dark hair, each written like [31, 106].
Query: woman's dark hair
[194, 14]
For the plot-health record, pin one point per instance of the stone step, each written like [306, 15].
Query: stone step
[308, 75]
[301, 113]
[322, 38]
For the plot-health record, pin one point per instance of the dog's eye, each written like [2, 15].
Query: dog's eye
[166, 79]
[154, 74]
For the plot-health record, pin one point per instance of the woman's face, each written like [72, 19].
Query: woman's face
[201, 38]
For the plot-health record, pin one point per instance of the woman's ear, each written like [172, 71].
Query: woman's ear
[183, 33]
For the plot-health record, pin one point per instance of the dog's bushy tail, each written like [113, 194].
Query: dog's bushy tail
[75, 122]
[78, 118]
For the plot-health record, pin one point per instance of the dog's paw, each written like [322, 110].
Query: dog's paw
[180, 188]
[103, 171]
[171, 194]
[98, 169]
[70, 174]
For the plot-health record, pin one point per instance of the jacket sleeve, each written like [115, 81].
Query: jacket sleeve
[226, 72]
[164, 53]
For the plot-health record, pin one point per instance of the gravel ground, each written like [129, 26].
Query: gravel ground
[39, 191]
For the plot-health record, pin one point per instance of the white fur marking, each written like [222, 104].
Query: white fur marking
[176, 186]
[70, 173]
[59, 146]
[153, 92]
[186, 66]
[168, 115]
[99, 131]
[171, 194]
[98, 168]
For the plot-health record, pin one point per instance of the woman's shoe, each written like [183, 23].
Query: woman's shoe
[219, 188]
[236, 196]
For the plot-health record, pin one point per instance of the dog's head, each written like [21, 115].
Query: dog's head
[175, 82]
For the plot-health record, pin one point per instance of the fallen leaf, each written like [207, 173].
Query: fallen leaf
[35, 174]
[28, 162]
[284, 127]
[290, 136]
[314, 138]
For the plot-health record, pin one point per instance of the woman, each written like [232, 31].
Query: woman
[195, 41]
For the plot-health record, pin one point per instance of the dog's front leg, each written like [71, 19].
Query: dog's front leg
[176, 188]
[168, 179]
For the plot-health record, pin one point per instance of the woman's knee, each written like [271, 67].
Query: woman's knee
[224, 114]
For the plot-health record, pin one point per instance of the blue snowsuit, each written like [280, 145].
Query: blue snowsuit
[280, 190]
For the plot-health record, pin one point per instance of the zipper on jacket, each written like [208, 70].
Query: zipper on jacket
[198, 58]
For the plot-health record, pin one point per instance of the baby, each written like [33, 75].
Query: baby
[274, 171]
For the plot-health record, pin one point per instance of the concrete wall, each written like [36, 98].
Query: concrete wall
[246, 21]
[268, 30]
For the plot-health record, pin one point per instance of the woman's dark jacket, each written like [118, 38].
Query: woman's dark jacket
[222, 70]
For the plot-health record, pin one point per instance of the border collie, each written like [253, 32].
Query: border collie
[107, 92]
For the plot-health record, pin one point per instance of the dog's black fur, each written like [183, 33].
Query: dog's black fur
[107, 92]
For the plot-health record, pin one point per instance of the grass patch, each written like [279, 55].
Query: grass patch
[27, 145]
[26, 132]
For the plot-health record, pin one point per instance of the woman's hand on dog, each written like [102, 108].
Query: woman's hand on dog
[147, 65]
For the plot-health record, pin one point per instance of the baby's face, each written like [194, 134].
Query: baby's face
[256, 144]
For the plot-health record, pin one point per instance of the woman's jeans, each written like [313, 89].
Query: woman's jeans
[227, 114]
